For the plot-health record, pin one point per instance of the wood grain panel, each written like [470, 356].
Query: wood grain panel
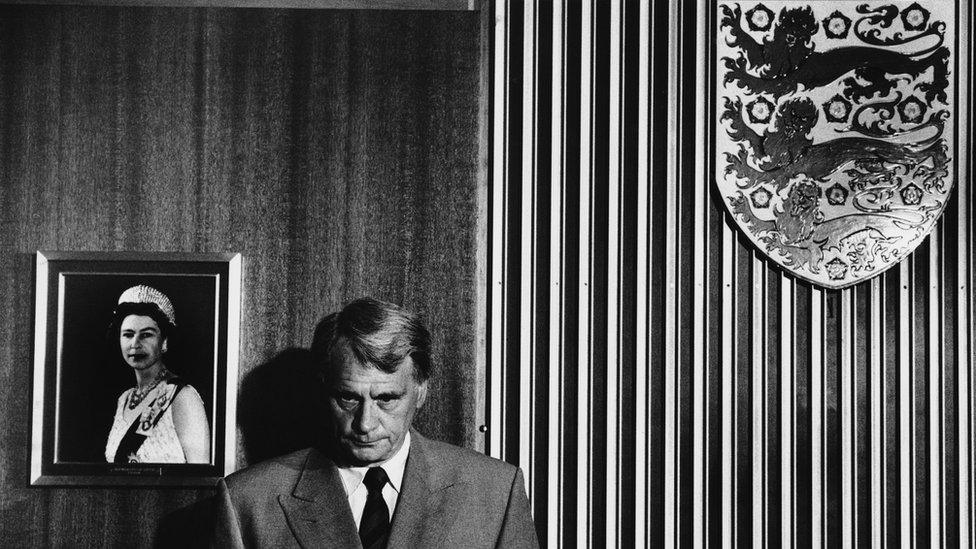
[337, 151]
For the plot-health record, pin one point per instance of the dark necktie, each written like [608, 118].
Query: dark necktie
[374, 528]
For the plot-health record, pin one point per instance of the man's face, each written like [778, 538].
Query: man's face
[371, 410]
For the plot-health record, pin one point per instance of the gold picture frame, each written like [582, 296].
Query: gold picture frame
[79, 374]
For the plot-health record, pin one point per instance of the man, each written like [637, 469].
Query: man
[379, 483]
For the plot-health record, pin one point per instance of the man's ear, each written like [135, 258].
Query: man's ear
[421, 393]
[165, 345]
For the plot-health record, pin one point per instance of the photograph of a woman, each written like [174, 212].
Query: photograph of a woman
[161, 419]
[135, 366]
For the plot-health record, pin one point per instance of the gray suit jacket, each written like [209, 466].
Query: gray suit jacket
[450, 497]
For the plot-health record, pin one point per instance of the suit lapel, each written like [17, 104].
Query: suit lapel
[317, 510]
[424, 480]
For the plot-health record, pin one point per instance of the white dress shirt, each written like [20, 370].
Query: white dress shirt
[352, 481]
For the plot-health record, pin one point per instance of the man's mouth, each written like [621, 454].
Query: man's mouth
[363, 442]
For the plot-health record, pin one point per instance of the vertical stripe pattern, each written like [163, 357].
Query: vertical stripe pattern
[658, 380]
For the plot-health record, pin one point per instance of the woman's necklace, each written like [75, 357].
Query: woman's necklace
[139, 395]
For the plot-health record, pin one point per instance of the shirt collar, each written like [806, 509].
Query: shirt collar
[352, 477]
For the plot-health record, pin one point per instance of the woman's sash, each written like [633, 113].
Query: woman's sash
[133, 439]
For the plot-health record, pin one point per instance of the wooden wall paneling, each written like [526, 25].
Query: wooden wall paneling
[424, 5]
[891, 307]
[627, 333]
[670, 195]
[527, 249]
[553, 514]
[337, 151]
[876, 401]
[818, 414]
[585, 451]
[728, 382]
[766, 411]
[613, 370]
[919, 341]
[847, 411]
[937, 340]
[965, 303]
[700, 344]
[496, 286]
[905, 401]
[757, 398]
[642, 329]
[786, 412]
[660, 144]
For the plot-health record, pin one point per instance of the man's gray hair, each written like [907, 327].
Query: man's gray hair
[378, 333]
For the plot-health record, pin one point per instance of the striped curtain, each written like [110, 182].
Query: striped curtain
[658, 380]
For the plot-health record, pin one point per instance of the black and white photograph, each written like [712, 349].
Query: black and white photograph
[130, 384]
[398, 274]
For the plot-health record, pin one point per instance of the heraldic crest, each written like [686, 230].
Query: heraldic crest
[833, 130]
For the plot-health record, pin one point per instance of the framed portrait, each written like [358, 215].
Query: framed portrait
[135, 368]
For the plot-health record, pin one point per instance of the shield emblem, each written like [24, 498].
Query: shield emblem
[834, 123]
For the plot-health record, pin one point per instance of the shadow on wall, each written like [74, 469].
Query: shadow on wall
[188, 527]
[280, 410]
[281, 406]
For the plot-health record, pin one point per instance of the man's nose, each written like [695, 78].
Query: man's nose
[365, 418]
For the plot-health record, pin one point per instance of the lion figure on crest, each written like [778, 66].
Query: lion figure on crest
[786, 151]
[782, 63]
[802, 233]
